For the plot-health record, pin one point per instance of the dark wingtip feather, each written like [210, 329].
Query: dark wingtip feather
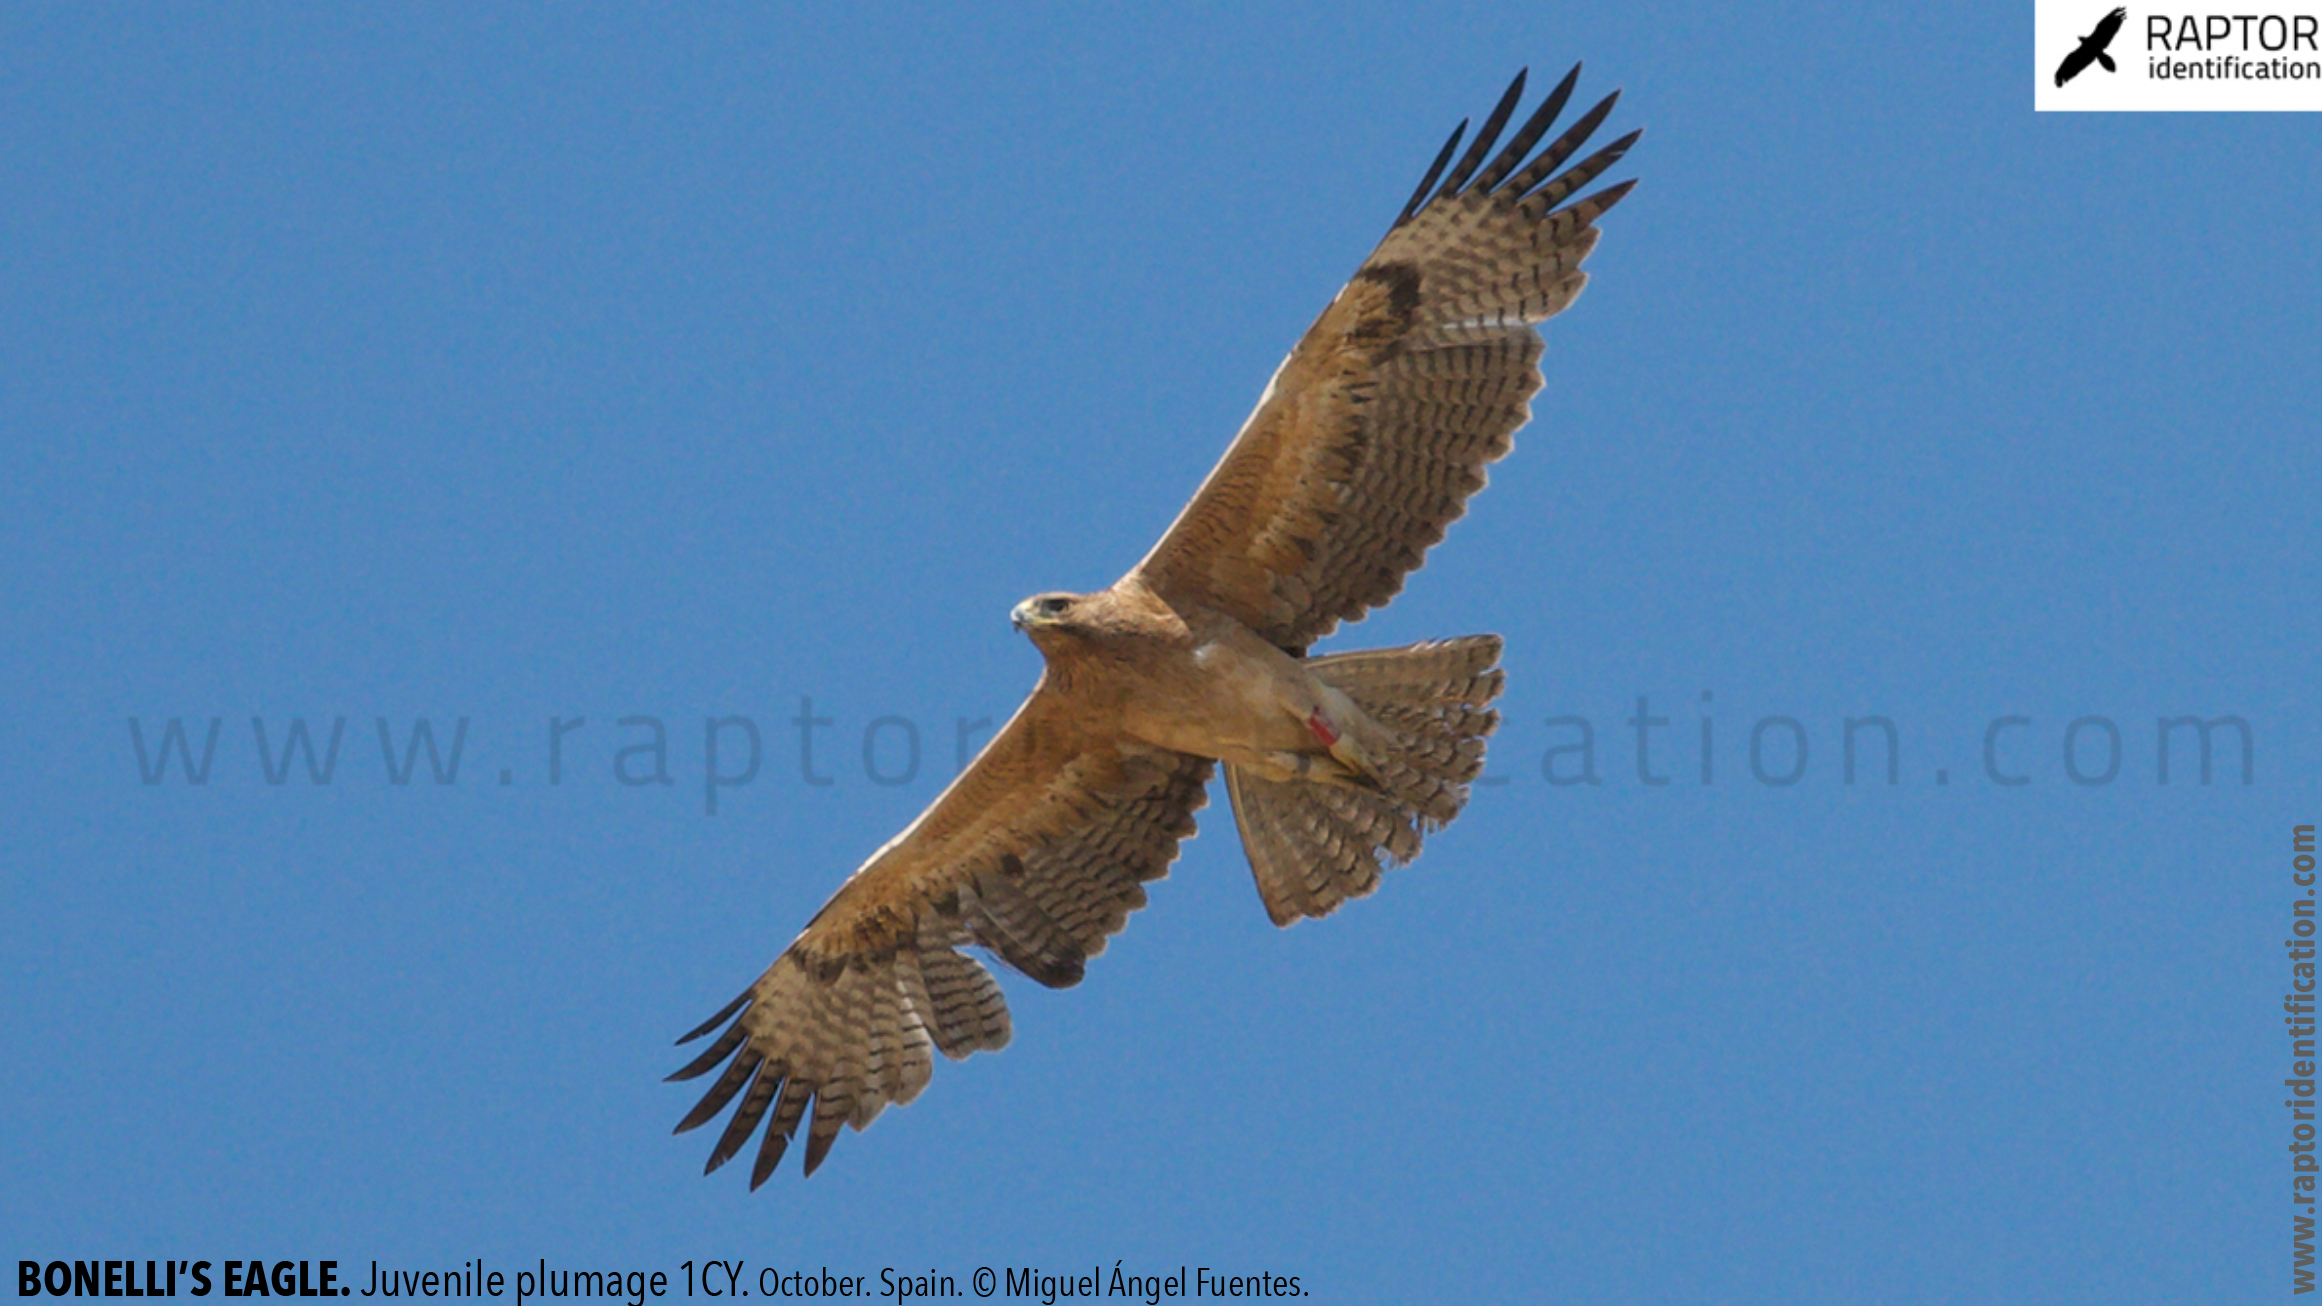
[1604, 199]
[719, 1155]
[1612, 153]
[745, 1066]
[818, 1147]
[1529, 134]
[1579, 175]
[1562, 148]
[769, 1156]
[746, 1118]
[1434, 170]
[1507, 173]
[1583, 213]
[1484, 136]
[715, 1053]
[725, 1014]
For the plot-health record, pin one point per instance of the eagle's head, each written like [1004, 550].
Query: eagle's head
[1109, 621]
[1046, 616]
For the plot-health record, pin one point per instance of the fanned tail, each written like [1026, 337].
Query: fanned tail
[1313, 846]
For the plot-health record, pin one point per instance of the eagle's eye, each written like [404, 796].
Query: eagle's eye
[1054, 606]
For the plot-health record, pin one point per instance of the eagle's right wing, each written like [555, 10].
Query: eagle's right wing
[1038, 852]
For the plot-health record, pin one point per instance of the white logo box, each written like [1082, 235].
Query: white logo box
[2263, 57]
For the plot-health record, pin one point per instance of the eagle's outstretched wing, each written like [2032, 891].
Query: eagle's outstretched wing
[1377, 428]
[1038, 852]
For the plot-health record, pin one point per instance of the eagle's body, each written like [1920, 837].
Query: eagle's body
[1364, 447]
[1189, 680]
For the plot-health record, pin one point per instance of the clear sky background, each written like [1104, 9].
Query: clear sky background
[516, 364]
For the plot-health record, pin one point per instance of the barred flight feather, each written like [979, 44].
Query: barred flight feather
[1376, 430]
[849, 1016]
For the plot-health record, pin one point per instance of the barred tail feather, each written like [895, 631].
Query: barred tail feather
[1313, 846]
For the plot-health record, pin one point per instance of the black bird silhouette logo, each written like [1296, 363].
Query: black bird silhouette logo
[2091, 48]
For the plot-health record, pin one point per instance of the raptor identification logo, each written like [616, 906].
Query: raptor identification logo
[2089, 56]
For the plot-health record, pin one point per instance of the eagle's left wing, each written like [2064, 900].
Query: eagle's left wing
[1038, 852]
[1377, 428]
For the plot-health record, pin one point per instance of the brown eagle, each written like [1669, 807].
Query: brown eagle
[1364, 447]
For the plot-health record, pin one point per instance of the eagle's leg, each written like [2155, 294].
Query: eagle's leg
[1340, 727]
[1346, 764]
[1311, 768]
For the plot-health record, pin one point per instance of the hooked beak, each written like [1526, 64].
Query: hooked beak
[1020, 616]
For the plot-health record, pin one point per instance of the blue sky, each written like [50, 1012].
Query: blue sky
[526, 364]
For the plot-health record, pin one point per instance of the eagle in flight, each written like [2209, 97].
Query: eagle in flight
[1364, 447]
